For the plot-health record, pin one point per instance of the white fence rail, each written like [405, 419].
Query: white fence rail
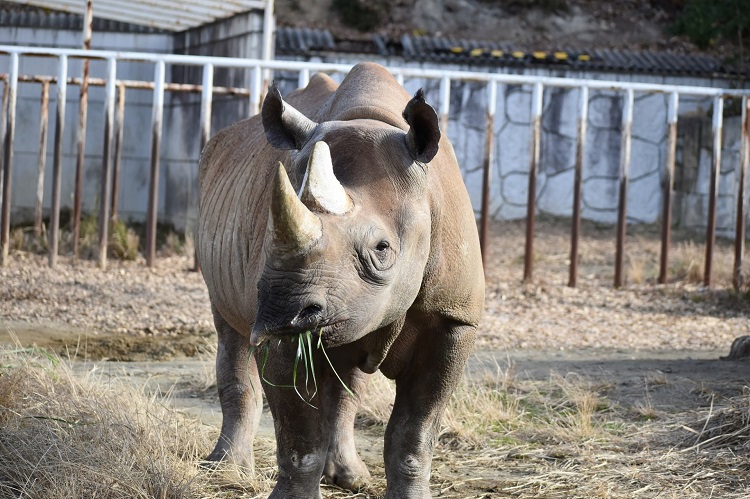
[113, 137]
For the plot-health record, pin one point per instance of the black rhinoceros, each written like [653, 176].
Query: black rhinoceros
[341, 212]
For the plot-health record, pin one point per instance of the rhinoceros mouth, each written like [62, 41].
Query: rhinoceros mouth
[288, 334]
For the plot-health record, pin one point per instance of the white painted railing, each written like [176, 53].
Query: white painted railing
[12, 77]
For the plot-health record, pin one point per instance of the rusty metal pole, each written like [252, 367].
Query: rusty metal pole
[267, 43]
[3, 122]
[206, 102]
[445, 104]
[153, 185]
[627, 127]
[536, 137]
[117, 161]
[109, 118]
[54, 224]
[713, 194]
[81, 133]
[739, 233]
[10, 126]
[575, 228]
[42, 158]
[668, 186]
[489, 153]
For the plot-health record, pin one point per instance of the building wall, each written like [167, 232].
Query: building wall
[241, 37]
[135, 154]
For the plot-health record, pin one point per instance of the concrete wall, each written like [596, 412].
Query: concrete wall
[554, 194]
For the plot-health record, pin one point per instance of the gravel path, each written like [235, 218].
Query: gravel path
[131, 299]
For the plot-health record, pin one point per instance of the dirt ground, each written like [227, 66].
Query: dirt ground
[646, 345]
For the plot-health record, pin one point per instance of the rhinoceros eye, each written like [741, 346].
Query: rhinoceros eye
[381, 256]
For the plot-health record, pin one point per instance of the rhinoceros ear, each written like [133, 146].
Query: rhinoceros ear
[424, 132]
[291, 226]
[321, 190]
[285, 127]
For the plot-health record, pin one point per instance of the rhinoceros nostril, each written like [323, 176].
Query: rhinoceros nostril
[309, 315]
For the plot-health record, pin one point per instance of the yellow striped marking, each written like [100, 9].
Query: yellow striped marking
[457, 50]
[476, 52]
[561, 56]
[584, 57]
[497, 53]
[518, 54]
[539, 55]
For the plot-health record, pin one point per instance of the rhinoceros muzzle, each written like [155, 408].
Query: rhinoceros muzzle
[309, 318]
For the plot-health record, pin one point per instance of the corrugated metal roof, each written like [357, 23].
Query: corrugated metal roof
[295, 41]
[169, 15]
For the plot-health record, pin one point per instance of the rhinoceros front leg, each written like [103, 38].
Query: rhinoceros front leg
[422, 391]
[301, 429]
[343, 465]
[239, 394]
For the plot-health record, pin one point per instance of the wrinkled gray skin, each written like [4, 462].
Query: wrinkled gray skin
[387, 270]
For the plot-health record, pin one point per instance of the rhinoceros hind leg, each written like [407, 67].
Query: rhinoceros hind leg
[239, 395]
[344, 467]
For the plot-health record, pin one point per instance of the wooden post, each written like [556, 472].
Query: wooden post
[109, 118]
[668, 185]
[575, 229]
[713, 193]
[627, 127]
[739, 232]
[153, 185]
[54, 225]
[489, 153]
[10, 125]
[536, 137]
[81, 133]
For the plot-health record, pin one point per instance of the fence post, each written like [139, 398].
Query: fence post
[81, 135]
[489, 152]
[739, 233]
[627, 127]
[109, 118]
[537, 97]
[54, 224]
[41, 158]
[575, 230]
[713, 194]
[257, 85]
[303, 78]
[668, 186]
[153, 185]
[117, 161]
[445, 103]
[10, 125]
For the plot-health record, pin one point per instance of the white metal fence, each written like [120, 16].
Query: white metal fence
[260, 70]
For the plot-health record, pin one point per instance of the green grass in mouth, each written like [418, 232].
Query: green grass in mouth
[304, 355]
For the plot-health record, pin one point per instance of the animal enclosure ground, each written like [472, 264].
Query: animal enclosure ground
[586, 392]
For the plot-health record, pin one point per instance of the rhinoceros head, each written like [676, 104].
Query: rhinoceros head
[345, 252]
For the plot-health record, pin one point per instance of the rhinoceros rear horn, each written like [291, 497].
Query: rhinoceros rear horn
[291, 226]
[321, 190]
[423, 136]
[285, 127]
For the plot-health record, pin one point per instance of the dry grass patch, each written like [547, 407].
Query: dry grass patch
[66, 435]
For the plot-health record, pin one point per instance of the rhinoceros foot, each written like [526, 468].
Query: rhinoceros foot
[221, 455]
[350, 474]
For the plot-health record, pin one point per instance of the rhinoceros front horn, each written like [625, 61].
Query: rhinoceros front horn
[291, 226]
[321, 190]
